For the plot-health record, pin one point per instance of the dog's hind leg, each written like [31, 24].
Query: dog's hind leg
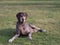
[37, 28]
[14, 37]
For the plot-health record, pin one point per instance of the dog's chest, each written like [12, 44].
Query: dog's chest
[24, 29]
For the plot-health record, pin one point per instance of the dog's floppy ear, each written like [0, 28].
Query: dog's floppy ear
[18, 16]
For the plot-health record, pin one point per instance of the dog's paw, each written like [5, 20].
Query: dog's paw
[10, 40]
[30, 38]
[41, 30]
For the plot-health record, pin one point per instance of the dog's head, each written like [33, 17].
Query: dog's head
[21, 16]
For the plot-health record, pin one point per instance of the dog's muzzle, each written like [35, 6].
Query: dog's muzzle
[22, 20]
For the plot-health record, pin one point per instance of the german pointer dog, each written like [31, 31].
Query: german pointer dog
[22, 27]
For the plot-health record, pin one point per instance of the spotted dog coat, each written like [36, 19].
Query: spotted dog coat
[22, 27]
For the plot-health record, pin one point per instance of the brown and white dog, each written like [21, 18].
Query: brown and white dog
[24, 28]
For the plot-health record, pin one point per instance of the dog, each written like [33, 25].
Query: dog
[22, 27]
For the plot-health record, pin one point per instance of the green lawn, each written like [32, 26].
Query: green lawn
[29, 0]
[44, 15]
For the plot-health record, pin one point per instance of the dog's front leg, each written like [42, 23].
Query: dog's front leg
[14, 37]
[30, 36]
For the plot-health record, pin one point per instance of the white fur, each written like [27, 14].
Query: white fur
[30, 36]
[12, 39]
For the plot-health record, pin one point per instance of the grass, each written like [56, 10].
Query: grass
[29, 0]
[44, 16]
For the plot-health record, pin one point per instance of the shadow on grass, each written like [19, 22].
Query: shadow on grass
[6, 34]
